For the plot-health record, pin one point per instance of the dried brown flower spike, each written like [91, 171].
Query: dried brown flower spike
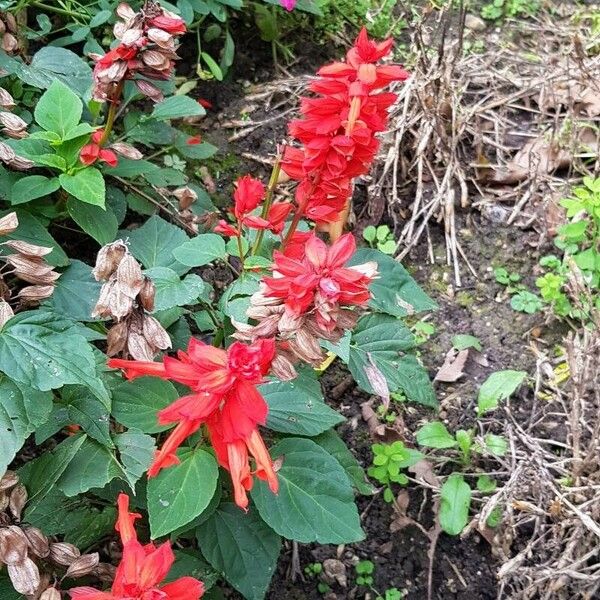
[127, 296]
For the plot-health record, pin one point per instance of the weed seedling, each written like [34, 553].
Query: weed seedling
[381, 238]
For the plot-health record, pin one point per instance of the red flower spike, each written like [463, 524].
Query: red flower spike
[248, 195]
[142, 569]
[224, 397]
[338, 128]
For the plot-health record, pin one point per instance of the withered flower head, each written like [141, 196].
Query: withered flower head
[126, 296]
[148, 40]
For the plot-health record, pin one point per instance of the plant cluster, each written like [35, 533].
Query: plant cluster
[218, 381]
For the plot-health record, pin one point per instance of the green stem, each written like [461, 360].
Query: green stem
[240, 250]
[268, 200]
[60, 11]
[218, 339]
[112, 112]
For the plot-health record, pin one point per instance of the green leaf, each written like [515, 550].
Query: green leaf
[177, 495]
[454, 506]
[136, 451]
[377, 348]
[435, 435]
[32, 187]
[463, 341]
[45, 351]
[196, 151]
[32, 231]
[171, 290]
[86, 185]
[40, 475]
[333, 443]
[58, 110]
[395, 292]
[486, 484]
[22, 411]
[100, 223]
[315, 502]
[496, 444]
[94, 466]
[135, 403]
[166, 177]
[76, 292]
[242, 547]
[154, 242]
[201, 250]
[176, 107]
[213, 66]
[191, 563]
[84, 409]
[298, 407]
[498, 386]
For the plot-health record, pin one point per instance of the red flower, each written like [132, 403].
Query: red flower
[318, 281]
[224, 397]
[88, 155]
[249, 193]
[142, 569]
[172, 24]
[338, 128]
[205, 103]
[194, 140]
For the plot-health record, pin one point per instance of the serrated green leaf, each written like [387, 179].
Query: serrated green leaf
[496, 444]
[241, 547]
[171, 290]
[136, 403]
[298, 407]
[455, 496]
[154, 242]
[22, 411]
[76, 292]
[177, 495]
[176, 107]
[378, 346]
[86, 185]
[463, 341]
[98, 222]
[498, 386]
[395, 292]
[136, 451]
[201, 250]
[84, 409]
[58, 110]
[315, 502]
[32, 187]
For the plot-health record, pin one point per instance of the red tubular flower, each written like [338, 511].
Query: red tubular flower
[224, 397]
[142, 569]
[338, 128]
[249, 193]
[317, 280]
[89, 154]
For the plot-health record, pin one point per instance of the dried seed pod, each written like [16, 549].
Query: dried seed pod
[146, 295]
[138, 347]
[8, 480]
[50, 594]
[9, 43]
[7, 154]
[21, 164]
[120, 304]
[149, 90]
[131, 36]
[10, 22]
[3, 501]
[38, 542]
[129, 276]
[155, 333]
[116, 339]
[105, 572]
[17, 501]
[83, 566]
[127, 150]
[108, 260]
[8, 223]
[27, 249]
[13, 545]
[160, 37]
[186, 197]
[283, 368]
[25, 577]
[125, 11]
[13, 125]
[35, 293]
[6, 100]
[63, 553]
[6, 312]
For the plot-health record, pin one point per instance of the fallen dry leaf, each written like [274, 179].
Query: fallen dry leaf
[453, 368]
